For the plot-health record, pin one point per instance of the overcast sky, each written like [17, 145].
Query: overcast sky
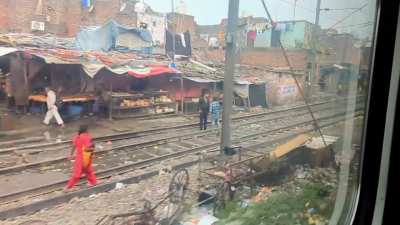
[212, 11]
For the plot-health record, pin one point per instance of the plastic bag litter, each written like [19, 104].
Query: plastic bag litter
[119, 186]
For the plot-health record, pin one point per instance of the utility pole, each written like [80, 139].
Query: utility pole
[230, 61]
[294, 9]
[313, 79]
[318, 11]
[173, 31]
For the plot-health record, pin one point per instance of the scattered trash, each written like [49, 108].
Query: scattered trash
[206, 198]
[244, 204]
[165, 170]
[311, 211]
[109, 142]
[208, 220]
[93, 196]
[262, 195]
[119, 186]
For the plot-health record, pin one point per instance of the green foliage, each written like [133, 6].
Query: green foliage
[282, 208]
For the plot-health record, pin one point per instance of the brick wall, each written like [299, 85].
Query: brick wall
[104, 11]
[60, 17]
[182, 23]
[274, 58]
[281, 87]
[4, 15]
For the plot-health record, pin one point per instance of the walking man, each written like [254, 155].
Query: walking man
[204, 108]
[52, 110]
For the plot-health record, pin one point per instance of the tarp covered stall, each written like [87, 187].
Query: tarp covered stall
[192, 90]
[113, 36]
[250, 94]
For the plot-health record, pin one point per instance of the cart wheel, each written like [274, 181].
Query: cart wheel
[178, 186]
[224, 195]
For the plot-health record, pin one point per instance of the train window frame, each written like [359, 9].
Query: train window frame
[376, 169]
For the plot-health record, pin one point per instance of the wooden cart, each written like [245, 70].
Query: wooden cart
[173, 199]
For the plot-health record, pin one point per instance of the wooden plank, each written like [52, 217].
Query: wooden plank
[289, 146]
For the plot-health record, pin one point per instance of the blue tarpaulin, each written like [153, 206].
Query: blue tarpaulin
[104, 38]
[87, 3]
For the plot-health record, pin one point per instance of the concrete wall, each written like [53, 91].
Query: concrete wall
[156, 25]
[293, 35]
[181, 23]
[281, 88]
[4, 21]
[263, 40]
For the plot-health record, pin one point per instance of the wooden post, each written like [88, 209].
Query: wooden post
[182, 93]
[110, 103]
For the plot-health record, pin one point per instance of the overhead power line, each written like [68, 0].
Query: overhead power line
[299, 6]
[356, 25]
[348, 16]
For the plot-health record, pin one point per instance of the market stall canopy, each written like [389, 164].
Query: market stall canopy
[113, 36]
[7, 50]
[201, 80]
[151, 71]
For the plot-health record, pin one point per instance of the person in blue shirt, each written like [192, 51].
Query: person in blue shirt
[215, 108]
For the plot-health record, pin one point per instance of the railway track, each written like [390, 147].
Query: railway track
[194, 146]
[249, 141]
[11, 157]
[144, 147]
[27, 144]
[148, 152]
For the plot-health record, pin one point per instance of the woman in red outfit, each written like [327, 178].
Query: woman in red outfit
[82, 142]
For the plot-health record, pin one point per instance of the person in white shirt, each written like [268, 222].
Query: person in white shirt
[52, 110]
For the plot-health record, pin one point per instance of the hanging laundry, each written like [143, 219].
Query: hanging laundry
[183, 40]
[182, 46]
[280, 27]
[87, 3]
[252, 35]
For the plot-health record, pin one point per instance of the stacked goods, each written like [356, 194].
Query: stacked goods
[163, 99]
[135, 103]
[164, 110]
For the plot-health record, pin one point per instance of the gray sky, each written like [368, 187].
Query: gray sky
[212, 11]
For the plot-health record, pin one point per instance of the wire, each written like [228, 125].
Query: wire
[300, 89]
[299, 6]
[355, 25]
[329, 9]
[348, 16]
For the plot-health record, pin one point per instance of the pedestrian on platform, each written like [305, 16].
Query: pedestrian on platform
[204, 108]
[215, 108]
[83, 148]
[52, 109]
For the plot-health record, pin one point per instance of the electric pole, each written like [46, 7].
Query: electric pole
[173, 25]
[230, 61]
[314, 68]
[318, 11]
